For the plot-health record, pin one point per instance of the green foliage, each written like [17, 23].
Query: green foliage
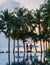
[48, 49]
[17, 24]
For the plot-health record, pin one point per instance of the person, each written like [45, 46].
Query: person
[31, 47]
[27, 47]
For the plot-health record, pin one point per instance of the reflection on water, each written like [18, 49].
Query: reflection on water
[24, 59]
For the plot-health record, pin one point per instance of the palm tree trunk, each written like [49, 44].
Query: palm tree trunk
[14, 50]
[8, 58]
[18, 48]
[35, 47]
[9, 50]
[41, 56]
[14, 46]
[14, 57]
[41, 46]
[46, 45]
[40, 38]
[24, 49]
[9, 44]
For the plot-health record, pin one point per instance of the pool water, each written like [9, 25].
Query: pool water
[23, 59]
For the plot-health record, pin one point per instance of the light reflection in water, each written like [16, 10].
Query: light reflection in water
[28, 59]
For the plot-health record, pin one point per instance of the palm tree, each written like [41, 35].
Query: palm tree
[38, 20]
[7, 19]
[46, 20]
[32, 25]
[25, 21]
[2, 25]
[22, 27]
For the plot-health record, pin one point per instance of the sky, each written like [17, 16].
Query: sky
[30, 4]
[11, 4]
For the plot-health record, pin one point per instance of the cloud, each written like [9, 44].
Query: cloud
[31, 4]
[9, 4]
[2, 1]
